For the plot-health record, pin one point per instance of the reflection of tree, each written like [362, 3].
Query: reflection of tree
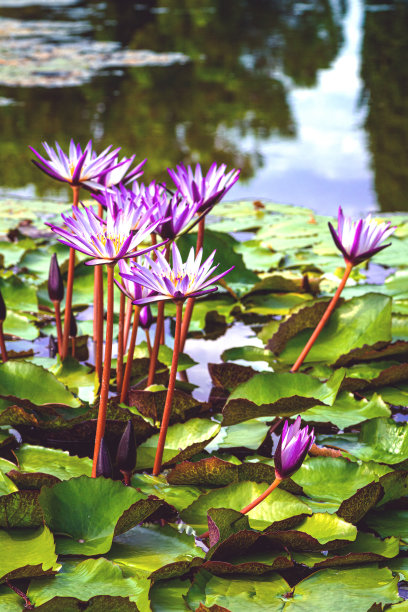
[231, 89]
[385, 75]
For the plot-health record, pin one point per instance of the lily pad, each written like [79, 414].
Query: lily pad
[58, 463]
[27, 553]
[347, 411]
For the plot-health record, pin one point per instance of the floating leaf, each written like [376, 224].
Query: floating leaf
[182, 442]
[327, 527]
[167, 595]
[347, 411]
[27, 553]
[179, 497]
[52, 461]
[274, 394]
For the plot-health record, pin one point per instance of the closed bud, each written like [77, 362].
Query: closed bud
[293, 446]
[3, 309]
[104, 463]
[73, 329]
[126, 454]
[145, 317]
[55, 284]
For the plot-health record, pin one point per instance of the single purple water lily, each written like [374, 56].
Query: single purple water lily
[176, 282]
[206, 190]
[359, 240]
[78, 167]
[132, 290]
[175, 212]
[120, 173]
[106, 241]
[293, 446]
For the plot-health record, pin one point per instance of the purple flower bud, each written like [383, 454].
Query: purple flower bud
[104, 463]
[293, 446]
[52, 346]
[126, 454]
[145, 317]
[359, 240]
[3, 309]
[73, 329]
[55, 284]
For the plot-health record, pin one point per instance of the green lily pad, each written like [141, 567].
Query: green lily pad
[390, 523]
[52, 461]
[16, 380]
[167, 595]
[275, 394]
[359, 322]
[77, 377]
[158, 552]
[347, 411]
[249, 435]
[26, 553]
[327, 527]
[84, 523]
[20, 325]
[182, 442]
[277, 507]
[10, 601]
[274, 303]
[380, 440]
[349, 589]
[90, 578]
[179, 497]
[237, 594]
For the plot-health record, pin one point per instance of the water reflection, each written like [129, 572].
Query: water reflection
[253, 94]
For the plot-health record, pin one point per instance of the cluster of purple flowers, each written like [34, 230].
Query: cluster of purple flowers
[132, 215]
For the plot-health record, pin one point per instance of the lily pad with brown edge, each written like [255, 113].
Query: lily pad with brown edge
[83, 580]
[393, 522]
[20, 509]
[276, 508]
[347, 410]
[380, 350]
[374, 375]
[85, 513]
[380, 440]
[157, 552]
[249, 435]
[27, 553]
[358, 323]
[229, 375]
[182, 442]
[178, 497]
[151, 404]
[279, 394]
[395, 486]
[57, 463]
[366, 548]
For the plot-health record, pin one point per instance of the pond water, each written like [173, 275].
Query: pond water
[308, 98]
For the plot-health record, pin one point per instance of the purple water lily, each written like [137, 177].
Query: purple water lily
[176, 282]
[293, 446]
[106, 241]
[120, 173]
[132, 290]
[206, 190]
[176, 213]
[78, 167]
[359, 240]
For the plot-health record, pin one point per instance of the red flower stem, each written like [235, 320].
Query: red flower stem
[98, 320]
[3, 349]
[103, 401]
[58, 324]
[128, 318]
[119, 362]
[149, 344]
[28, 605]
[256, 501]
[126, 477]
[323, 320]
[162, 337]
[170, 391]
[128, 369]
[70, 284]
[190, 302]
[156, 345]
[68, 303]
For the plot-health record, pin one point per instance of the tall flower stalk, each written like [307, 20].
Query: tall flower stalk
[56, 295]
[175, 282]
[292, 448]
[357, 241]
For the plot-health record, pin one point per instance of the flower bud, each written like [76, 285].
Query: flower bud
[145, 317]
[55, 284]
[293, 446]
[3, 309]
[126, 454]
[104, 463]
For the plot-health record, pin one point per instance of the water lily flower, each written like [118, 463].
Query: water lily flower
[175, 212]
[359, 240]
[78, 167]
[177, 281]
[119, 172]
[132, 290]
[293, 446]
[106, 241]
[206, 190]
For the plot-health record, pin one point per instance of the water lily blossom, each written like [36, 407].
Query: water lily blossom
[206, 189]
[79, 167]
[359, 240]
[293, 446]
[119, 172]
[177, 281]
